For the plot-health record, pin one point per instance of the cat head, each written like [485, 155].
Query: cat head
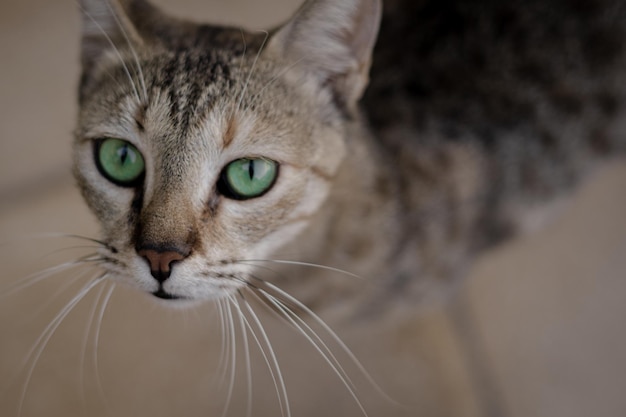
[202, 148]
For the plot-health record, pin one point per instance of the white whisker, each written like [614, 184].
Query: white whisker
[277, 76]
[244, 334]
[245, 87]
[115, 49]
[243, 60]
[278, 376]
[41, 343]
[50, 299]
[69, 248]
[246, 346]
[132, 50]
[50, 235]
[287, 297]
[90, 239]
[92, 315]
[303, 327]
[224, 353]
[96, 342]
[44, 274]
[325, 353]
[233, 363]
[267, 362]
[278, 261]
[119, 85]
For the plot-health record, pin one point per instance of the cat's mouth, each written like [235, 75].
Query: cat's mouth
[162, 294]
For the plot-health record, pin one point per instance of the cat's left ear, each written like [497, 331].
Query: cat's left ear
[106, 27]
[333, 40]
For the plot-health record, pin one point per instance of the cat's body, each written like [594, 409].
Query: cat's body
[494, 111]
[478, 115]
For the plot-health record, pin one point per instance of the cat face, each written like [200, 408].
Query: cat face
[202, 150]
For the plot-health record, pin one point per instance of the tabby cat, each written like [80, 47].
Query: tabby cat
[247, 166]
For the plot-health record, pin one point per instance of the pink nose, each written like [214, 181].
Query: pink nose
[161, 262]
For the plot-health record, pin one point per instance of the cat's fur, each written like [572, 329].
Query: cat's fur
[485, 112]
[478, 113]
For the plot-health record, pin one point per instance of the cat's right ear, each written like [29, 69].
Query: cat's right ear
[107, 27]
[333, 41]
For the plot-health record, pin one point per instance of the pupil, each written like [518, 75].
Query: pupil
[123, 154]
[251, 169]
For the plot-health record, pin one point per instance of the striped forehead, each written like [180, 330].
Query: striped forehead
[193, 84]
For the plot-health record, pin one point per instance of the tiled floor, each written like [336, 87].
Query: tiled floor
[549, 308]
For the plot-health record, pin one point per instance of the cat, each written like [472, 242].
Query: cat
[465, 139]
[360, 173]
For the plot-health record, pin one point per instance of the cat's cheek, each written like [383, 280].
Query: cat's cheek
[109, 205]
[279, 239]
[330, 150]
[316, 193]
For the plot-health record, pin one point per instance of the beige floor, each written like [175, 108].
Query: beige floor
[549, 308]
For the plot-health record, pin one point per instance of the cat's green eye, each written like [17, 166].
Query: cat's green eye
[248, 178]
[119, 162]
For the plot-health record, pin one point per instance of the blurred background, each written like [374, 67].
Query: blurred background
[538, 329]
